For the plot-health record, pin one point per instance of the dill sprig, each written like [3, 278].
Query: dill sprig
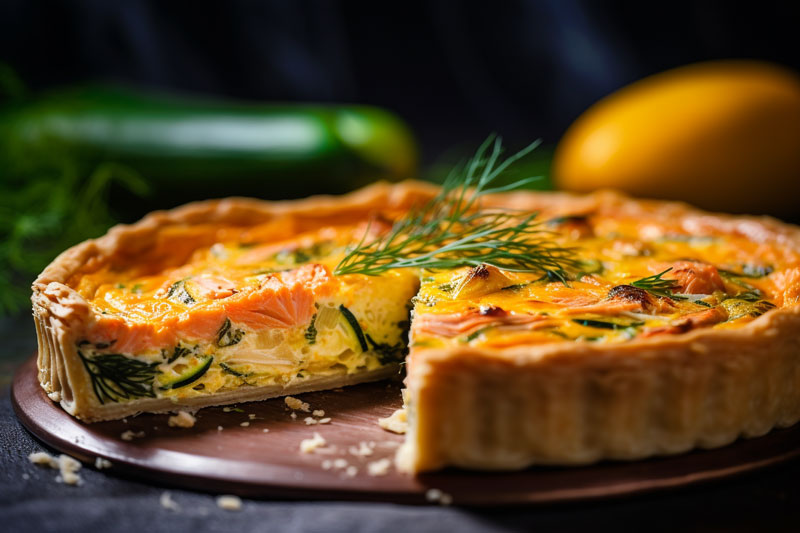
[453, 229]
[116, 377]
[657, 285]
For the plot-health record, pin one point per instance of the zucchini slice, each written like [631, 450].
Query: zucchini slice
[188, 373]
[351, 324]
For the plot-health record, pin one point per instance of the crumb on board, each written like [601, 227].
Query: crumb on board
[351, 471]
[251, 416]
[168, 503]
[130, 435]
[362, 450]
[297, 404]
[319, 413]
[244, 424]
[219, 428]
[294, 416]
[183, 419]
[379, 468]
[229, 502]
[310, 421]
[101, 464]
[309, 445]
[397, 422]
[326, 420]
[340, 463]
[265, 430]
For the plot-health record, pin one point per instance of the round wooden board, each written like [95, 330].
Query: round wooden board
[248, 461]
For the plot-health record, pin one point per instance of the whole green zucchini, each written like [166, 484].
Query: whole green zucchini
[189, 149]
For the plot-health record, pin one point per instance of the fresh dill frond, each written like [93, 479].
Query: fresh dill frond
[43, 213]
[657, 285]
[115, 377]
[454, 229]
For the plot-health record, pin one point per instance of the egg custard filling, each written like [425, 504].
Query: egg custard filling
[636, 328]
[241, 314]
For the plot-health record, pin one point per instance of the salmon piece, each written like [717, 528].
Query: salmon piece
[212, 287]
[455, 324]
[273, 305]
[281, 301]
[701, 319]
[693, 277]
[316, 277]
[623, 298]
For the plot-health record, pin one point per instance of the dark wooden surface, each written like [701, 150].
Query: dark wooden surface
[250, 462]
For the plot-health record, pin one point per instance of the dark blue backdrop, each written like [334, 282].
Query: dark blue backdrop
[455, 70]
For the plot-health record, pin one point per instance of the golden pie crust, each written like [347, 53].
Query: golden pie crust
[560, 403]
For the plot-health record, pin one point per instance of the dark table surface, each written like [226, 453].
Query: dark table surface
[31, 499]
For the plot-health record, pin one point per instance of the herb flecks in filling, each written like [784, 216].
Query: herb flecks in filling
[116, 377]
[228, 335]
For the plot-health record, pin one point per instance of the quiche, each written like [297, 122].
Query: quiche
[640, 328]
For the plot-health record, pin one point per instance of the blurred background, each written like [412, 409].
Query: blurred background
[111, 109]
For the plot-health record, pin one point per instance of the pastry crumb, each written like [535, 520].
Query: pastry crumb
[351, 471]
[361, 450]
[183, 419]
[294, 416]
[67, 466]
[251, 416]
[265, 430]
[229, 502]
[379, 468]
[68, 469]
[219, 428]
[43, 459]
[327, 464]
[168, 503]
[397, 422]
[309, 445]
[297, 404]
[326, 420]
[319, 413]
[130, 435]
[101, 464]
[437, 496]
[339, 463]
[309, 421]
[244, 424]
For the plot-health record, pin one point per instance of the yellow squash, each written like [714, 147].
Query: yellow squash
[723, 135]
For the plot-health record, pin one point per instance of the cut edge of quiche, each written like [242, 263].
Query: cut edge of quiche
[486, 395]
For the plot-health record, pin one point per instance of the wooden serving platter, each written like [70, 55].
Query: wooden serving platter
[248, 461]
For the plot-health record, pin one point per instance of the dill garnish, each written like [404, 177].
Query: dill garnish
[658, 286]
[454, 230]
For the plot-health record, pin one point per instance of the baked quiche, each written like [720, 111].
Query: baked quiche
[540, 328]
